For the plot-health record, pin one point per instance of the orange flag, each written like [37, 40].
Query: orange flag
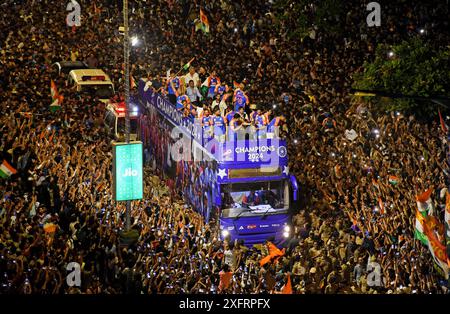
[381, 205]
[287, 289]
[274, 254]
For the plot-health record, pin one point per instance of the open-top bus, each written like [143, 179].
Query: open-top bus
[245, 184]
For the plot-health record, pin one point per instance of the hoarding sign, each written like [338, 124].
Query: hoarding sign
[127, 171]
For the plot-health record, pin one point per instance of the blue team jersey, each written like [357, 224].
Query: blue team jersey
[271, 125]
[230, 116]
[259, 121]
[221, 89]
[219, 125]
[206, 121]
[176, 84]
[180, 100]
[240, 100]
[212, 84]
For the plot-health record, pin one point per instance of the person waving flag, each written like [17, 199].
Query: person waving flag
[204, 22]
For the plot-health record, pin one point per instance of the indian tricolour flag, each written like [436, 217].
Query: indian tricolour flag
[204, 22]
[6, 170]
[419, 230]
[424, 208]
[447, 215]
[187, 65]
[393, 180]
[437, 248]
[56, 97]
[424, 203]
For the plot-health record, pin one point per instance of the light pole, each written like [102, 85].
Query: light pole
[126, 52]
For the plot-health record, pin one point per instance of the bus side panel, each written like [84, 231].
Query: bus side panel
[195, 177]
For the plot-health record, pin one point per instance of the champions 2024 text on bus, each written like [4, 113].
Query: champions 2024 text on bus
[244, 184]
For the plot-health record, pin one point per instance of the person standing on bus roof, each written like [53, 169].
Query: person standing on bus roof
[253, 113]
[182, 102]
[206, 124]
[239, 99]
[229, 114]
[234, 126]
[192, 76]
[173, 84]
[243, 114]
[260, 124]
[222, 90]
[193, 93]
[274, 126]
[219, 126]
[213, 83]
[267, 116]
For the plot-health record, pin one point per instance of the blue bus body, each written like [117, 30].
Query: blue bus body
[244, 184]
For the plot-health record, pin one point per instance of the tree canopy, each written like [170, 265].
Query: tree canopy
[411, 68]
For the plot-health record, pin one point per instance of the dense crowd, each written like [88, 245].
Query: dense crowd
[58, 208]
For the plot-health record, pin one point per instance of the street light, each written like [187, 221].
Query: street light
[134, 41]
[126, 52]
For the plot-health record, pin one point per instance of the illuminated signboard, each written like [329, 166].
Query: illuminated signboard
[127, 171]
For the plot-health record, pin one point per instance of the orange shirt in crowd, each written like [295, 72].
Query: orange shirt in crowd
[225, 280]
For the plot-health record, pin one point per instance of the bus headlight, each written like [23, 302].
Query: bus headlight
[225, 233]
[287, 229]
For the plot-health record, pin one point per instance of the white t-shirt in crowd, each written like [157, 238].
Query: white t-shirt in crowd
[189, 77]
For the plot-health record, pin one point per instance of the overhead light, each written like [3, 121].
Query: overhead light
[274, 106]
[422, 31]
[134, 41]
[295, 141]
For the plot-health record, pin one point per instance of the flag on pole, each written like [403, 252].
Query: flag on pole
[424, 203]
[56, 97]
[6, 170]
[274, 254]
[381, 205]
[443, 125]
[287, 289]
[204, 23]
[187, 65]
[437, 249]
[419, 230]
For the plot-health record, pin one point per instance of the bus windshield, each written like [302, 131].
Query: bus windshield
[254, 198]
[102, 91]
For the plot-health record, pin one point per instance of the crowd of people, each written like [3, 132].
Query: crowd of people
[359, 169]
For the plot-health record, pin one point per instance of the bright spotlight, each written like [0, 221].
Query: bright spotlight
[134, 41]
